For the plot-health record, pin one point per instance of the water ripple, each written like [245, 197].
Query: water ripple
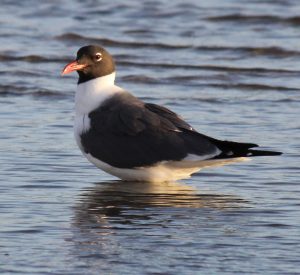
[113, 43]
[256, 19]
[211, 67]
[274, 51]
[13, 90]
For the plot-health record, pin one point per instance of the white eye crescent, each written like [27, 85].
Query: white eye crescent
[98, 57]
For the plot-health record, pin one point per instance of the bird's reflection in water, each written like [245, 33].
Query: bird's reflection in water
[127, 202]
[115, 220]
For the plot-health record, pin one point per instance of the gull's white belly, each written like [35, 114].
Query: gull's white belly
[165, 171]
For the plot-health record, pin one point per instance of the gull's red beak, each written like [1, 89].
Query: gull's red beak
[73, 66]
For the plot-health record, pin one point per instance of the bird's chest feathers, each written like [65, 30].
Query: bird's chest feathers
[89, 96]
[82, 124]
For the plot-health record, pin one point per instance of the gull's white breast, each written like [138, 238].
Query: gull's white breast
[89, 96]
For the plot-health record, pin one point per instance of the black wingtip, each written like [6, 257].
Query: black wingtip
[254, 153]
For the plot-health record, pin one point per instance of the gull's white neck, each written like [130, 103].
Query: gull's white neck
[91, 94]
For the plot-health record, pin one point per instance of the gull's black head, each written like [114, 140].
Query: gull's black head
[91, 62]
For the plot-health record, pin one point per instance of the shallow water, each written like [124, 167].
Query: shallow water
[231, 68]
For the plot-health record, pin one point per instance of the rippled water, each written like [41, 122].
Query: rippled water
[231, 68]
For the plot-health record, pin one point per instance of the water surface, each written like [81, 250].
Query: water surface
[230, 68]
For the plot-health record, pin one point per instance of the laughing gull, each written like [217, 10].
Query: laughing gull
[138, 141]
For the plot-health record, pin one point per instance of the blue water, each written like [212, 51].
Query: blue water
[230, 68]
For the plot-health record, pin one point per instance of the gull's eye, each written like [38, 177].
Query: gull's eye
[98, 57]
